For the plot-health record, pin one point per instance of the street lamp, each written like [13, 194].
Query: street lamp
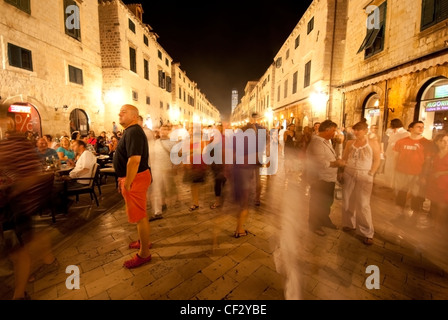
[269, 115]
[318, 101]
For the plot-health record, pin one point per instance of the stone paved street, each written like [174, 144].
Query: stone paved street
[196, 257]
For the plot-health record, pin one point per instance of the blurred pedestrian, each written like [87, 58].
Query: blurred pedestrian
[437, 191]
[411, 164]
[25, 191]
[218, 169]
[196, 171]
[396, 133]
[247, 175]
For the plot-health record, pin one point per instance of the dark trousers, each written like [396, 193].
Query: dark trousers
[416, 201]
[321, 200]
[219, 182]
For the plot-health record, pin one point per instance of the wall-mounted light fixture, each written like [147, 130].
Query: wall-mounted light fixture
[391, 110]
[55, 108]
[65, 106]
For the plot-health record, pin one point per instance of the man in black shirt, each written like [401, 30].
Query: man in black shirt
[134, 177]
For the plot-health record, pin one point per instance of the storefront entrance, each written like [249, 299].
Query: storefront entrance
[371, 110]
[25, 117]
[432, 107]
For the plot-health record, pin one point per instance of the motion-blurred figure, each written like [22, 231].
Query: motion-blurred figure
[24, 192]
[437, 190]
[396, 133]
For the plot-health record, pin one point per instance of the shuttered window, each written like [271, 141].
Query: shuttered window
[310, 26]
[162, 79]
[433, 12]
[168, 84]
[374, 41]
[146, 67]
[297, 42]
[131, 25]
[132, 60]
[20, 57]
[294, 82]
[72, 19]
[75, 75]
[23, 5]
[307, 80]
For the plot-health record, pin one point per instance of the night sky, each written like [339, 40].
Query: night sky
[223, 44]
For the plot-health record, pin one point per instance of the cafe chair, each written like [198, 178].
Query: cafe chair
[109, 171]
[88, 188]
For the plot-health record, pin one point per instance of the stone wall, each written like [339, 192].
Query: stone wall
[47, 87]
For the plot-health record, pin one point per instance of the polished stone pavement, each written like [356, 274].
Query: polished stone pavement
[195, 256]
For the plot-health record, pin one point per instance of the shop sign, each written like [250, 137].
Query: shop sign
[435, 106]
[19, 109]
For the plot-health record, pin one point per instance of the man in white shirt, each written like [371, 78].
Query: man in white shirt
[84, 164]
[322, 170]
[281, 140]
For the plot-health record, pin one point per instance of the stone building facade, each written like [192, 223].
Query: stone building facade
[399, 70]
[137, 68]
[51, 65]
[69, 65]
[303, 79]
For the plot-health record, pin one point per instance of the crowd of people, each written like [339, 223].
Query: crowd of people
[326, 155]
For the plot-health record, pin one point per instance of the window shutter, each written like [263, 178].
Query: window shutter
[14, 55]
[442, 10]
[132, 59]
[428, 12]
[79, 77]
[24, 5]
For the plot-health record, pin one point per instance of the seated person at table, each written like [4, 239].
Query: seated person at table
[44, 152]
[83, 167]
[89, 147]
[66, 155]
[101, 146]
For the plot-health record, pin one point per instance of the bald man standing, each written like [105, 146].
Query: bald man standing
[134, 178]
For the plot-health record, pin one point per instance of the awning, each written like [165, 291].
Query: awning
[407, 68]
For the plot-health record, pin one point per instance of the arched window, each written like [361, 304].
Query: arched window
[432, 107]
[371, 109]
[79, 121]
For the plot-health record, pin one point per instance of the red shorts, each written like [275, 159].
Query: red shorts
[135, 198]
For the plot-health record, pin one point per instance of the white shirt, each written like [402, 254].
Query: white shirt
[319, 154]
[151, 139]
[281, 135]
[85, 161]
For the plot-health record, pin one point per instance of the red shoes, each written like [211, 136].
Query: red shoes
[136, 245]
[137, 261]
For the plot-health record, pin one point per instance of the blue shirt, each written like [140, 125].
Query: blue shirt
[70, 154]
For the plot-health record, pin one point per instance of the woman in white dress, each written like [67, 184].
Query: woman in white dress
[362, 157]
